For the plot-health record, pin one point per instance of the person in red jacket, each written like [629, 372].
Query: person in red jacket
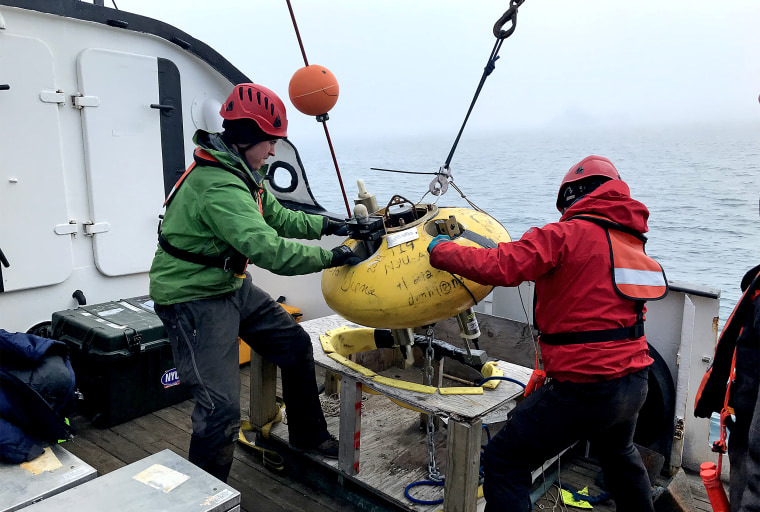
[592, 279]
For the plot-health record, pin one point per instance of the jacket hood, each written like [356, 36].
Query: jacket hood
[215, 146]
[612, 200]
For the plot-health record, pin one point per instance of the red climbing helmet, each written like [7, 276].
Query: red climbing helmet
[588, 167]
[252, 101]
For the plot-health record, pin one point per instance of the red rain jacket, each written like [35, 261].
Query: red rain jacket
[569, 261]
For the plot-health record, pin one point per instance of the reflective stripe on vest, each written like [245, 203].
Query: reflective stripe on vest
[635, 275]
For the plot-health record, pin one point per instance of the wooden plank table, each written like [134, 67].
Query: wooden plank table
[463, 414]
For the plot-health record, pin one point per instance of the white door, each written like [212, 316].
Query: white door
[32, 188]
[123, 157]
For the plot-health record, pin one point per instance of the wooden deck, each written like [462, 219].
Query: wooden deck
[391, 439]
[111, 448]
[308, 484]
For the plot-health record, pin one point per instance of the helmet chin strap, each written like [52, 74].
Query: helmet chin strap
[241, 150]
[574, 192]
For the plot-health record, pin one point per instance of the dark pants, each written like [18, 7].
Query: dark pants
[203, 335]
[744, 441]
[551, 419]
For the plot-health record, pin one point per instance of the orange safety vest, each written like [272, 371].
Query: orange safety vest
[715, 389]
[635, 276]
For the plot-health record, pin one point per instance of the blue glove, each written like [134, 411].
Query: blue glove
[437, 240]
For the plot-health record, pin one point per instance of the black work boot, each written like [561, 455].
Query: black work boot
[327, 448]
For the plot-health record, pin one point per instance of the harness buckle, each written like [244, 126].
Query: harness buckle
[719, 446]
[228, 263]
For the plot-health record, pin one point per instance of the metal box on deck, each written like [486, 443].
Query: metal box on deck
[122, 359]
[53, 472]
[164, 481]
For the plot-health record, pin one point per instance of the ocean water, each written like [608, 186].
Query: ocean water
[701, 185]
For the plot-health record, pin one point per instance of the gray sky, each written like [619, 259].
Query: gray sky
[412, 66]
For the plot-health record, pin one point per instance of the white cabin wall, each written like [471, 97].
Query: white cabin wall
[203, 90]
[665, 328]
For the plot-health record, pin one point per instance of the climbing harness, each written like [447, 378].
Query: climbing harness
[635, 276]
[235, 261]
[714, 391]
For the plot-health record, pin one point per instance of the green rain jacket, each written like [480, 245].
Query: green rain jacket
[212, 213]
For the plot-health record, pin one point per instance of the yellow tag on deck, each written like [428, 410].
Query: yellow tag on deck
[567, 498]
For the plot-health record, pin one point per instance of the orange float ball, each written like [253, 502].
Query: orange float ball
[313, 90]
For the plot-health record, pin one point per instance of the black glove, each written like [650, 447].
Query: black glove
[342, 255]
[334, 227]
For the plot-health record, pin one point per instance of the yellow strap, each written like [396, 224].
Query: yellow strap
[327, 346]
[346, 341]
[270, 458]
[371, 391]
[278, 418]
[406, 406]
[477, 390]
[403, 384]
[354, 366]
[491, 370]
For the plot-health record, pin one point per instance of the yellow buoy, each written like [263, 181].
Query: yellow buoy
[395, 287]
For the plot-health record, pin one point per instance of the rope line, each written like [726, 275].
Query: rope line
[490, 66]
[323, 117]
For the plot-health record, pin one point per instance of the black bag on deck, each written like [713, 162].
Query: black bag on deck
[122, 359]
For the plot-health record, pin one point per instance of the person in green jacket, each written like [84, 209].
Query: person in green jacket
[219, 218]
